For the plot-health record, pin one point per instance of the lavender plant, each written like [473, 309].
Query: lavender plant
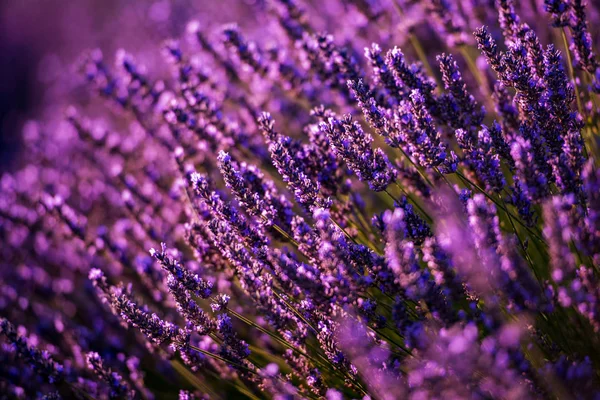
[329, 225]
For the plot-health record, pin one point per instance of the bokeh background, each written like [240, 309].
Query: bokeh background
[40, 40]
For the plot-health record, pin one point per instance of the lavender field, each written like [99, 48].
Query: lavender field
[298, 199]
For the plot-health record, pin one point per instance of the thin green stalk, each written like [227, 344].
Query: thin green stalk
[193, 379]
[444, 178]
[395, 200]
[299, 315]
[284, 342]
[572, 77]
[416, 167]
[278, 339]
[343, 230]
[481, 81]
[363, 237]
[217, 357]
[285, 235]
[512, 224]
[391, 341]
[269, 333]
[413, 201]
[498, 204]
[79, 391]
[416, 44]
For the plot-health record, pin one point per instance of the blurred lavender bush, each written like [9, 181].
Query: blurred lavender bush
[378, 199]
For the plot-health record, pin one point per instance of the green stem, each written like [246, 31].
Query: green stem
[478, 76]
[409, 196]
[416, 44]
[192, 379]
[217, 357]
[498, 204]
[572, 77]
[512, 224]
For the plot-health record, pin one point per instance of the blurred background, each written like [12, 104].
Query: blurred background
[40, 40]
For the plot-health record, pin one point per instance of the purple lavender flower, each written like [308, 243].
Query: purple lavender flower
[332, 64]
[480, 154]
[382, 74]
[226, 212]
[321, 161]
[151, 325]
[559, 9]
[436, 373]
[236, 348]
[582, 39]
[411, 77]
[353, 145]
[533, 182]
[188, 280]
[40, 361]
[576, 285]
[247, 51]
[305, 191]
[489, 48]
[187, 306]
[374, 114]
[464, 112]
[416, 282]
[418, 133]
[448, 22]
[257, 194]
[119, 388]
[507, 111]
[509, 20]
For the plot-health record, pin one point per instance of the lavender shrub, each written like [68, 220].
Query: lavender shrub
[364, 201]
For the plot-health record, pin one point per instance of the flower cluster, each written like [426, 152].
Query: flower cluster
[419, 223]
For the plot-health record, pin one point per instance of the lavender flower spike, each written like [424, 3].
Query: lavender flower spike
[40, 361]
[190, 281]
[305, 190]
[417, 132]
[119, 388]
[354, 145]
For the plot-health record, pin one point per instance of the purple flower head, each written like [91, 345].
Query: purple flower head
[189, 280]
[410, 77]
[417, 132]
[533, 181]
[489, 48]
[258, 195]
[226, 211]
[291, 170]
[234, 346]
[403, 260]
[353, 145]
[467, 114]
[448, 22]
[509, 20]
[119, 388]
[374, 114]
[382, 73]
[481, 155]
[560, 11]
[248, 52]
[582, 39]
[41, 361]
[220, 303]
